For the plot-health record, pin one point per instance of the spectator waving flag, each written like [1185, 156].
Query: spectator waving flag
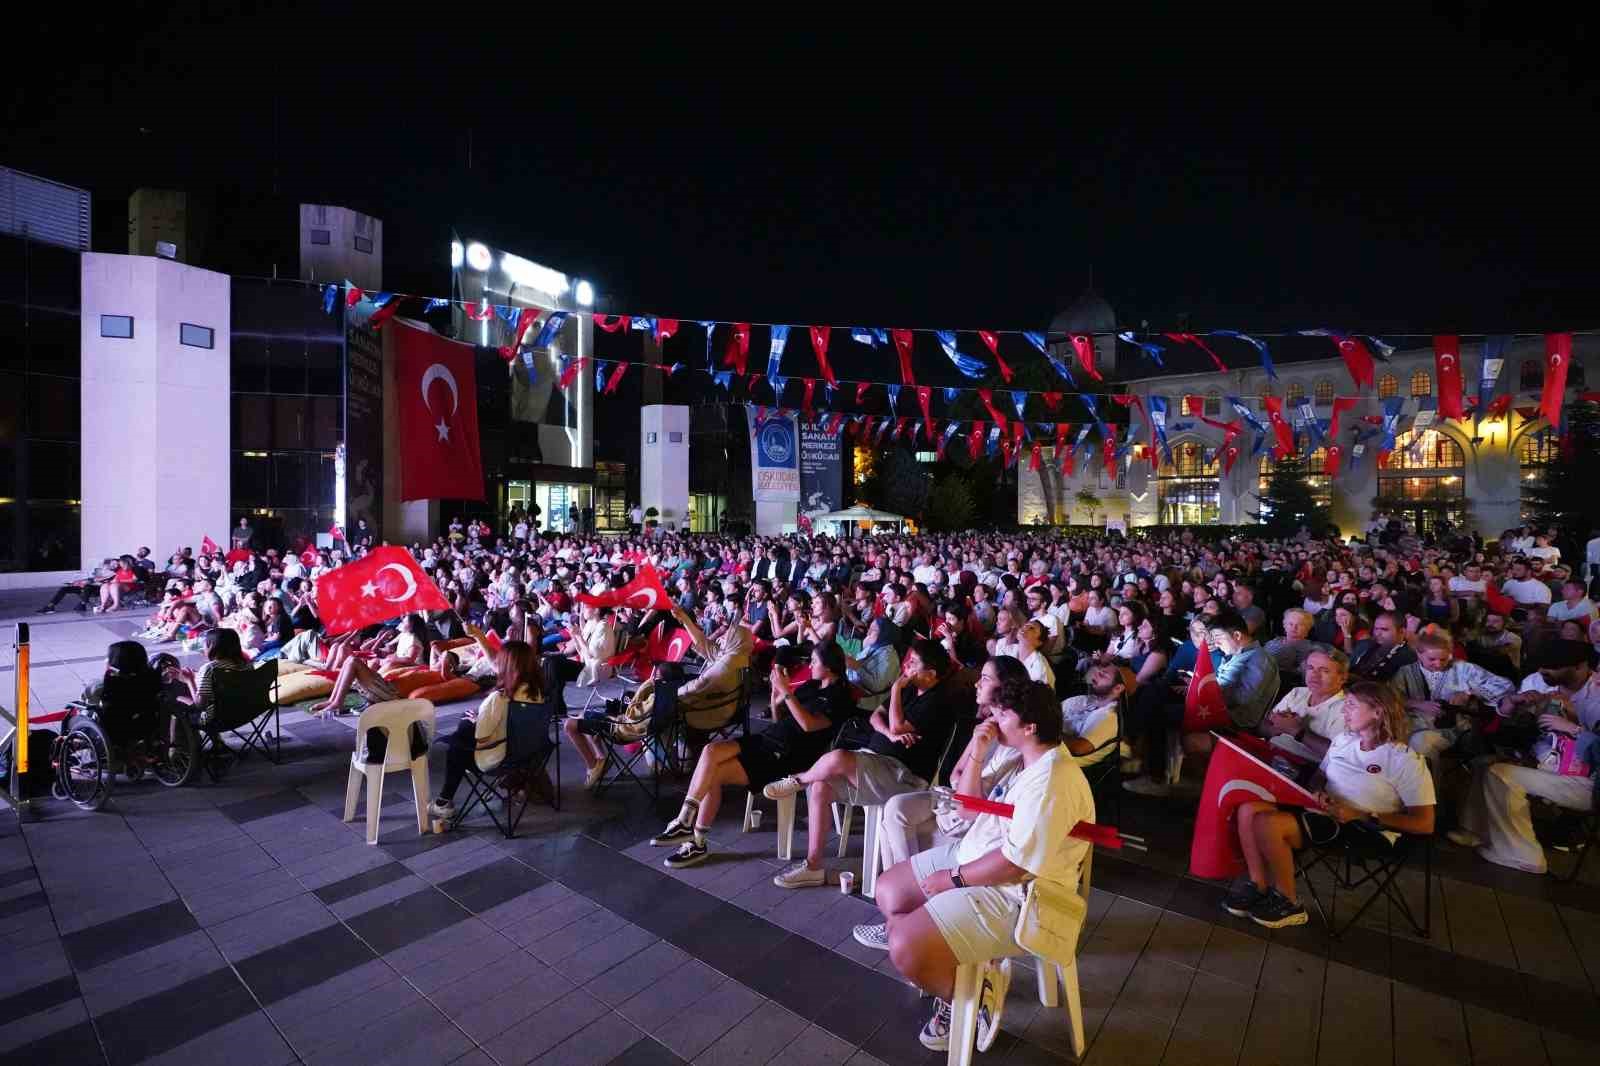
[1233, 778]
[208, 546]
[386, 584]
[1204, 708]
[645, 592]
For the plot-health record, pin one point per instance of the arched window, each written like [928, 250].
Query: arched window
[1324, 391]
[1186, 486]
[1388, 386]
[1421, 384]
[1295, 393]
[1424, 485]
[1191, 405]
[1213, 403]
[1533, 374]
[1437, 452]
[1268, 388]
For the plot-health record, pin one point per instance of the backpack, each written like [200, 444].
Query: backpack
[41, 773]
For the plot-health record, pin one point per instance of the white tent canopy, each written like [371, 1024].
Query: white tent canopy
[854, 515]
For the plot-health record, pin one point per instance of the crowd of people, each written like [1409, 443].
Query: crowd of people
[1005, 664]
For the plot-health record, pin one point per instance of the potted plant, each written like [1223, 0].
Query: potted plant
[650, 516]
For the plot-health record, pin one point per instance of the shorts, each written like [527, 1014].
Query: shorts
[1319, 831]
[878, 779]
[378, 690]
[762, 762]
[978, 924]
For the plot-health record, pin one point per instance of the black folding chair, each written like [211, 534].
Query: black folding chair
[245, 702]
[737, 724]
[1109, 766]
[660, 733]
[1355, 862]
[529, 750]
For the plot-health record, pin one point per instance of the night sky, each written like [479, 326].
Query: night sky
[1405, 174]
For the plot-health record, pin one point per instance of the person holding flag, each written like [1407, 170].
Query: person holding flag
[1372, 787]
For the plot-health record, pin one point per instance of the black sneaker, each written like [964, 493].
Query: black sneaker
[1242, 897]
[674, 833]
[1277, 910]
[691, 854]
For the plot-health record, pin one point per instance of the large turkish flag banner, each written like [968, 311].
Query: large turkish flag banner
[386, 584]
[1233, 778]
[438, 409]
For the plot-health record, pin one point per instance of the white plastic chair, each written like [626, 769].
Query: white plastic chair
[786, 809]
[843, 816]
[1058, 981]
[395, 719]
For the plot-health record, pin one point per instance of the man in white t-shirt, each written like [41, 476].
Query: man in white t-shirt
[1469, 582]
[924, 571]
[1523, 589]
[1543, 549]
[1591, 555]
[1574, 605]
[1314, 713]
[1089, 721]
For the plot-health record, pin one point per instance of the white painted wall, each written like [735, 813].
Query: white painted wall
[156, 413]
[664, 463]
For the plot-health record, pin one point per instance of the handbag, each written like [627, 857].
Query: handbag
[1051, 918]
[855, 734]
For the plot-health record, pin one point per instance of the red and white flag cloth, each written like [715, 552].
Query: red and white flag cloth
[1204, 707]
[1447, 367]
[1557, 357]
[208, 546]
[438, 414]
[386, 584]
[1233, 778]
[645, 592]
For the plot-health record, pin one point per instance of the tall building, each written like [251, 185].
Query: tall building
[44, 211]
[158, 225]
[338, 244]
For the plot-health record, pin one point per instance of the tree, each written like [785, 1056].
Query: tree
[1088, 501]
[897, 484]
[950, 504]
[1563, 497]
[1288, 502]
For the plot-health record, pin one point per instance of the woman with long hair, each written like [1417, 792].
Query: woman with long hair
[480, 737]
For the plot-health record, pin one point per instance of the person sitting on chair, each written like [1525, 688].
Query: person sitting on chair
[874, 669]
[809, 717]
[1374, 788]
[957, 904]
[1089, 721]
[1314, 713]
[480, 737]
[223, 652]
[125, 698]
[1435, 686]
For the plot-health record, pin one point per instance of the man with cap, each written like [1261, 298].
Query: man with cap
[1565, 697]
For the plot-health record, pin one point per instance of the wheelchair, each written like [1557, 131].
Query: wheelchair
[128, 730]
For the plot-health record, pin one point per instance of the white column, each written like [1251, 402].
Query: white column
[664, 463]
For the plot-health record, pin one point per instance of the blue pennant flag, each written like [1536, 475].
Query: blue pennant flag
[1123, 450]
[1258, 344]
[778, 383]
[644, 323]
[552, 326]
[1157, 406]
[710, 326]
[1391, 420]
[1035, 338]
[1305, 419]
[1248, 415]
[1094, 410]
[1257, 445]
[994, 441]
[894, 397]
[950, 431]
[330, 296]
[1045, 428]
[871, 336]
[380, 298]
[1208, 456]
[1358, 449]
[435, 304]
[1083, 435]
[1020, 399]
[508, 315]
[827, 394]
[723, 379]
[951, 394]
[969, 367]
[600, 375]
[1381, 348]
[1061, 368]
[1149, 348]
[1494, 358]
[780, 338]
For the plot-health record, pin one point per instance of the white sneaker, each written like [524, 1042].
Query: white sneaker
[442, 809]
[1464, 838]
[801, 876]
[784, 787]
[935, 1036]
[872, 936]
[991, 1000]
[595, 772]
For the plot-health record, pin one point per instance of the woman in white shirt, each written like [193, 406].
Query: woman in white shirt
[480, 738]
[1030, 641]
[1373, 784]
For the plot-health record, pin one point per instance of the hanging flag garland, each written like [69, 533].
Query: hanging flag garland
[1557, 358]
[904, 341]
[611, 323]
[968, 366]
[1259, 345]
[819, 344]
[992, 342]
[1083, 345]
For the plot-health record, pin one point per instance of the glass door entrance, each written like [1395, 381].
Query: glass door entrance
[560, 508]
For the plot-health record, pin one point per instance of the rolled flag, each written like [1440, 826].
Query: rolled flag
[666, 327]
[968, 366]
[552, 326]
[435, 304]
[1149, 348]
[330, 296]
[904, 341]
[871, 336]
[1190, 338]
[1258, 344]
[738, 353]
[1019, 400]
[925, 401]
[944, 439]
[780, 339]
[1083, 345]
[1447, 368]
[1235, 777]
[992, 341]
[1557, 357]
[710, 326]
[894, 397]
[1494, 351]
[986, 397]
[819, 344]
[611, 323]
[861, 391]
[616, 378]
[352, 294]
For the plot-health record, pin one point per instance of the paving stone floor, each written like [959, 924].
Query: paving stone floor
[244, 922]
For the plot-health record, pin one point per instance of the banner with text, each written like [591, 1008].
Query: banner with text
[821, 470]
[774, 458]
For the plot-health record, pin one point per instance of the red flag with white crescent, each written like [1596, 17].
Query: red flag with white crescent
[208, 546]
[437, 388]
[1233, 778]
[1083, 344]
[924, 401]
[1447, 367]
[386, 584]
[1285, 435]
[903, 343]
[1357, 359]
[992, 341]
[1203, 706]
[1033, 456]
[861, 391]
[986, 397]
[819, 344]
[1557, 357]
[645, 592]
[738, 352]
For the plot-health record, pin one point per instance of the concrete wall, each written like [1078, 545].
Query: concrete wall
[339, 260]
[156, 413]
[664, 462]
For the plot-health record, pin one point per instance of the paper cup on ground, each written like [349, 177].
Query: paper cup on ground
[847, 883]
[755, 818]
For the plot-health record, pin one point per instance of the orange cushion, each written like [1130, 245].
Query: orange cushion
[412, 680]
[457, 688]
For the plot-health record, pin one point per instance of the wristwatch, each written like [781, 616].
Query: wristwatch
[955, 878]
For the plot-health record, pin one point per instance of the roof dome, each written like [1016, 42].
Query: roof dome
[1089, 313]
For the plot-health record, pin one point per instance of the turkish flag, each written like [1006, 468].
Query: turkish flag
[1357, 359]
[1447, 366]
[238, 555]
[1279, 427]
[1083, 345]
[645, 592]
[208, 546]
[903, 343]
[1234, 777]
[386, 584]
[1204, 708]
[1335, 456]
[438, 406]
[1557, 357]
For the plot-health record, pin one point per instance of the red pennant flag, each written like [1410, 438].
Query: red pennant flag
[615, 379]
[819, 344]
[1498, 407]
[1285, 435]
[903, 341]
[924, 400]
[1052, 401]
[478, 312]
[1230, 454]
[987, 397]
[1447, 367]
[1234, 777]
[861, 391]
[386, 584]
[1204, 709]
[899, 427]
[1033, 456]
[384, 313]
[805, 400]
[335, 532]
[1108, 449]
[1068, 463]
[761, 413]
[644, 593]
[525, 320]
[1335, 457]
[1083, 344]
[750, 386]
[975, 440]
[738, 351]
[835, 420]
[666, 327]
[570, 374]
[1195, 405]
[1341, 404]
[208, 546]
[993, 342]
[1190, 338]
[1358, 360]
[438, 415]
[611, 323]
[1557, 357]
[353, 295]
[1062, 429]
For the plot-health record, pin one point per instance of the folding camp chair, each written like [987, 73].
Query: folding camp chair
[245, 702]
[1356, 862]
[659, 734]
[737, 724]
[529, 749]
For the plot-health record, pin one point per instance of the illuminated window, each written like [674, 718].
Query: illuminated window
[1213, 403]
[1538, 449]
[1296, 392]
[1388, 386]
[1190, 408]
[1186, 487]
[1268, 388]
[1323, 392]
[1532, 374]
[1436, 452]
[1421, 384]
[1320, 484]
